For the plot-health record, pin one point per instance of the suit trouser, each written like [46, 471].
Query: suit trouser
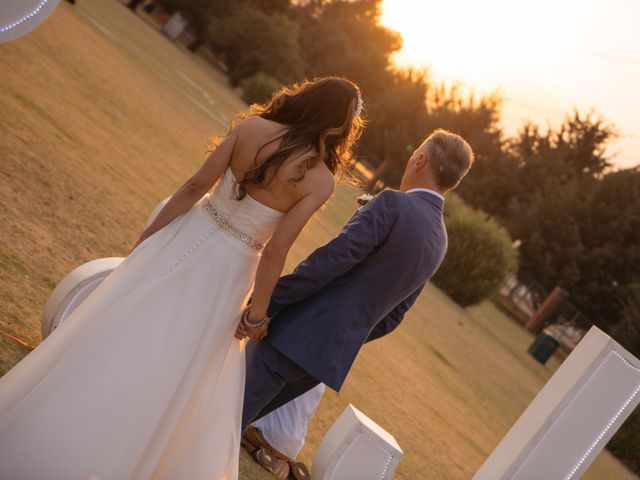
[272, 380]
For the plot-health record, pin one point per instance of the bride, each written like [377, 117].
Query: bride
[145, 378]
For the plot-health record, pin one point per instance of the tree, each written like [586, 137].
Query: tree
[510, 172]
[198, 13]
[344, 37]
[272, 6]
[412, 107]
[627, 331]
[476, 119]
[398, 123]
[575, 219]
[255, 41]
[611, 235]
[133, 4]
[583, 234]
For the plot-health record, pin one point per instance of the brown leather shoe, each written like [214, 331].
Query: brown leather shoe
[299, 471]
[278, 467]
[251, 439]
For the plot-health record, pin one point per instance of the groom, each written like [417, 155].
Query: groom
[358, 286]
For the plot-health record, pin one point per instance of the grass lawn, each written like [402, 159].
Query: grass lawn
[102, 117]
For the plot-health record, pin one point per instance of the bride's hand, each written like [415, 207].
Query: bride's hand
[243, 332]
[258, 333]
[248, 326]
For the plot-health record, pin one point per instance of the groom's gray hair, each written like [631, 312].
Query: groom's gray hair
[449, 156]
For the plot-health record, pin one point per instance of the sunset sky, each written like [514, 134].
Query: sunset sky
[544, 57]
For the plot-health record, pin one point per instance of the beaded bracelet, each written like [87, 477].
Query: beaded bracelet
[248, 324]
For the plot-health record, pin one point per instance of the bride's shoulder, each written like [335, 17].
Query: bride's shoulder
[257, 125]
[247, 125]
[249, 122]
[318, 180]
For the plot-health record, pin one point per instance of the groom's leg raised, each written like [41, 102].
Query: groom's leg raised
[268, 371]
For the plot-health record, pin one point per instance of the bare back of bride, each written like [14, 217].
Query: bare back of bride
[145, 378]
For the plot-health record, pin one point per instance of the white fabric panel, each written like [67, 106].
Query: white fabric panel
[286, 428]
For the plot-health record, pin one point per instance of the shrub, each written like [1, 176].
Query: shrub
[258, 87]
[480, 256]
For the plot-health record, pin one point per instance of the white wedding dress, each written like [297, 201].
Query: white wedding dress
[145, 380]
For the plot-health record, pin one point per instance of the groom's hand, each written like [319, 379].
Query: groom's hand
[241, 331]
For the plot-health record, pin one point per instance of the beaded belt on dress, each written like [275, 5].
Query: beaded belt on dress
[223, 221]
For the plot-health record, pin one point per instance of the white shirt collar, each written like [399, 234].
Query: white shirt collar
[441, 197]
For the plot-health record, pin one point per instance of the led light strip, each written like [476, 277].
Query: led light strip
[376, 443]
[25, 18]
[609, 425]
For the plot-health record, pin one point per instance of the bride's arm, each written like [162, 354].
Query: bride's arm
[275, 252]
[195, 187]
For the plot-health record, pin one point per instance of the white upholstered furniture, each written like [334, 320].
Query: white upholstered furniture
[356, 448]
[572, 418]
[73, 289]
[19, 17]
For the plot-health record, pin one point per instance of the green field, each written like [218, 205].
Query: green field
[102, 117]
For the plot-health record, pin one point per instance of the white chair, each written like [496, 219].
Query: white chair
[73, 289]
[572, 418]
[19, 17]
[356, 448]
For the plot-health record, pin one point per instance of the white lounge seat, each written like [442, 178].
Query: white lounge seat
[356, 448]
[73, 289]
[572, 418]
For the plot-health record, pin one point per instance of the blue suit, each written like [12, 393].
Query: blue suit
[354, 289]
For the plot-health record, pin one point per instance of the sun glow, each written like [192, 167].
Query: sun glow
[465, 40]
[544, 57]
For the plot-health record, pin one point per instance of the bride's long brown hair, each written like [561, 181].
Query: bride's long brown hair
[321, 114]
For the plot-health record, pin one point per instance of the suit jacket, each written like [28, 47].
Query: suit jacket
[358, 286]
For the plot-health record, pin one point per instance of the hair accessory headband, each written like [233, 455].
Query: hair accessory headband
[360, 105]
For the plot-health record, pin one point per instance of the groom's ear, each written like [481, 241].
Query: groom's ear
[421, 160]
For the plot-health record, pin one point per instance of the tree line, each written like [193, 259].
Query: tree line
[577, 220]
